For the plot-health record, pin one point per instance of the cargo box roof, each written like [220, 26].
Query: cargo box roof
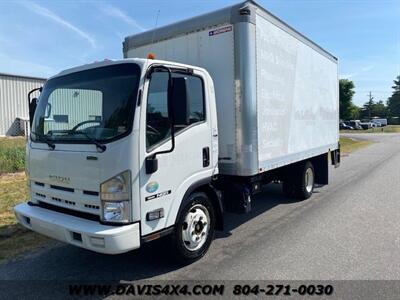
[241, 12]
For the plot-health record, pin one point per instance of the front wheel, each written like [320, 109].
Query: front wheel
[194, 230]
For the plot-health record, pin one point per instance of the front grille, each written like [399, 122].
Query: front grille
[62, 188]
[92, 206]
[91, 193]
[85, 201]
[67, 211]
[63, 201]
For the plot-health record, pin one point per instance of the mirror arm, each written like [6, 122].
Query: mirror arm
[30, 93]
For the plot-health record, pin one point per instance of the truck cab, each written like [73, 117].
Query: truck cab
[123, 152]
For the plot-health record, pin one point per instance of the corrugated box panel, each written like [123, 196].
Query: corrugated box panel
[14, 102]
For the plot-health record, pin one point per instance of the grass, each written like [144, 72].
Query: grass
[386, 129]
[15, 239]
[348, 145]
[12, 155]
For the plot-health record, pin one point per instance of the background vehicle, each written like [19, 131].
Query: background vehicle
[147, 148]
[344, 126]
[375, 124]
[354, 123]
[366, 125]
[381, 121]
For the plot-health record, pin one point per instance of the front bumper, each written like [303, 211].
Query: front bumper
[79, 232]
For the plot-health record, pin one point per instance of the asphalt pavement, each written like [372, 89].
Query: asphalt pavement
[349, 229]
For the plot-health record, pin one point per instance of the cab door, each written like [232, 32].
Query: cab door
[190, 160]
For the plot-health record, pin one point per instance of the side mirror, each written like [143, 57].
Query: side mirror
[32, 109]
[180, 101]
[32, 104]
[151, 164]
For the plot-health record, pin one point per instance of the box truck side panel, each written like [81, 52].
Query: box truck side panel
[297, 97]
[213, 50]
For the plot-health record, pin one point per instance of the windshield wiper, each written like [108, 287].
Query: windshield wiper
[93, 140]
[43, 138]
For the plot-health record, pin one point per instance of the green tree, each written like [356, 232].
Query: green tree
[346, 93]
[393, 102]
[366, 111]
[354, 112]
[373, 109]
[379, 109]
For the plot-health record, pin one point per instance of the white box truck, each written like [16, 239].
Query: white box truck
[380, 121]
[124, 152]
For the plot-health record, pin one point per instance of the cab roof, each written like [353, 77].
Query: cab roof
[143, 62]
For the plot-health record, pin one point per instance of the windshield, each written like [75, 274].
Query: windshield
[96, 104]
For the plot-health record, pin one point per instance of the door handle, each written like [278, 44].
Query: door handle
[206, 157]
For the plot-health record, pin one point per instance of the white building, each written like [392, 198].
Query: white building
[14, 91]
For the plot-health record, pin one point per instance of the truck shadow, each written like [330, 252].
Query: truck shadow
[69, 263]
[270, 196]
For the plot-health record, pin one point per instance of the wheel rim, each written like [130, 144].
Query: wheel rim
[195, 227]
[309, 180]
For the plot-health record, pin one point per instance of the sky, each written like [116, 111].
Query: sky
[41, 38]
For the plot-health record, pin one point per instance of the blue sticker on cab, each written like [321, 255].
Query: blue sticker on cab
[151, 187]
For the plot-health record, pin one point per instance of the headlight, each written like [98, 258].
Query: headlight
[115, 196]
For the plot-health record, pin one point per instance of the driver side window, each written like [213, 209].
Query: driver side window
[157, 127]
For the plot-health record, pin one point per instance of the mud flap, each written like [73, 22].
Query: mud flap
[335, 157]
[237, 198]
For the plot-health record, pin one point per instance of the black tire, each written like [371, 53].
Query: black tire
[301, 190]
[182, 253]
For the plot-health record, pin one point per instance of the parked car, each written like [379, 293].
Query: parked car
[344, 126]
[366, 125]
[355, 124]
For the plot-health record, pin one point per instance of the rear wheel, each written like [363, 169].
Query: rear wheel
[194, 230]
[301, 186]
[305, 185]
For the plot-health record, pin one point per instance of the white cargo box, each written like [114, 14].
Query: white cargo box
[276, 91]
